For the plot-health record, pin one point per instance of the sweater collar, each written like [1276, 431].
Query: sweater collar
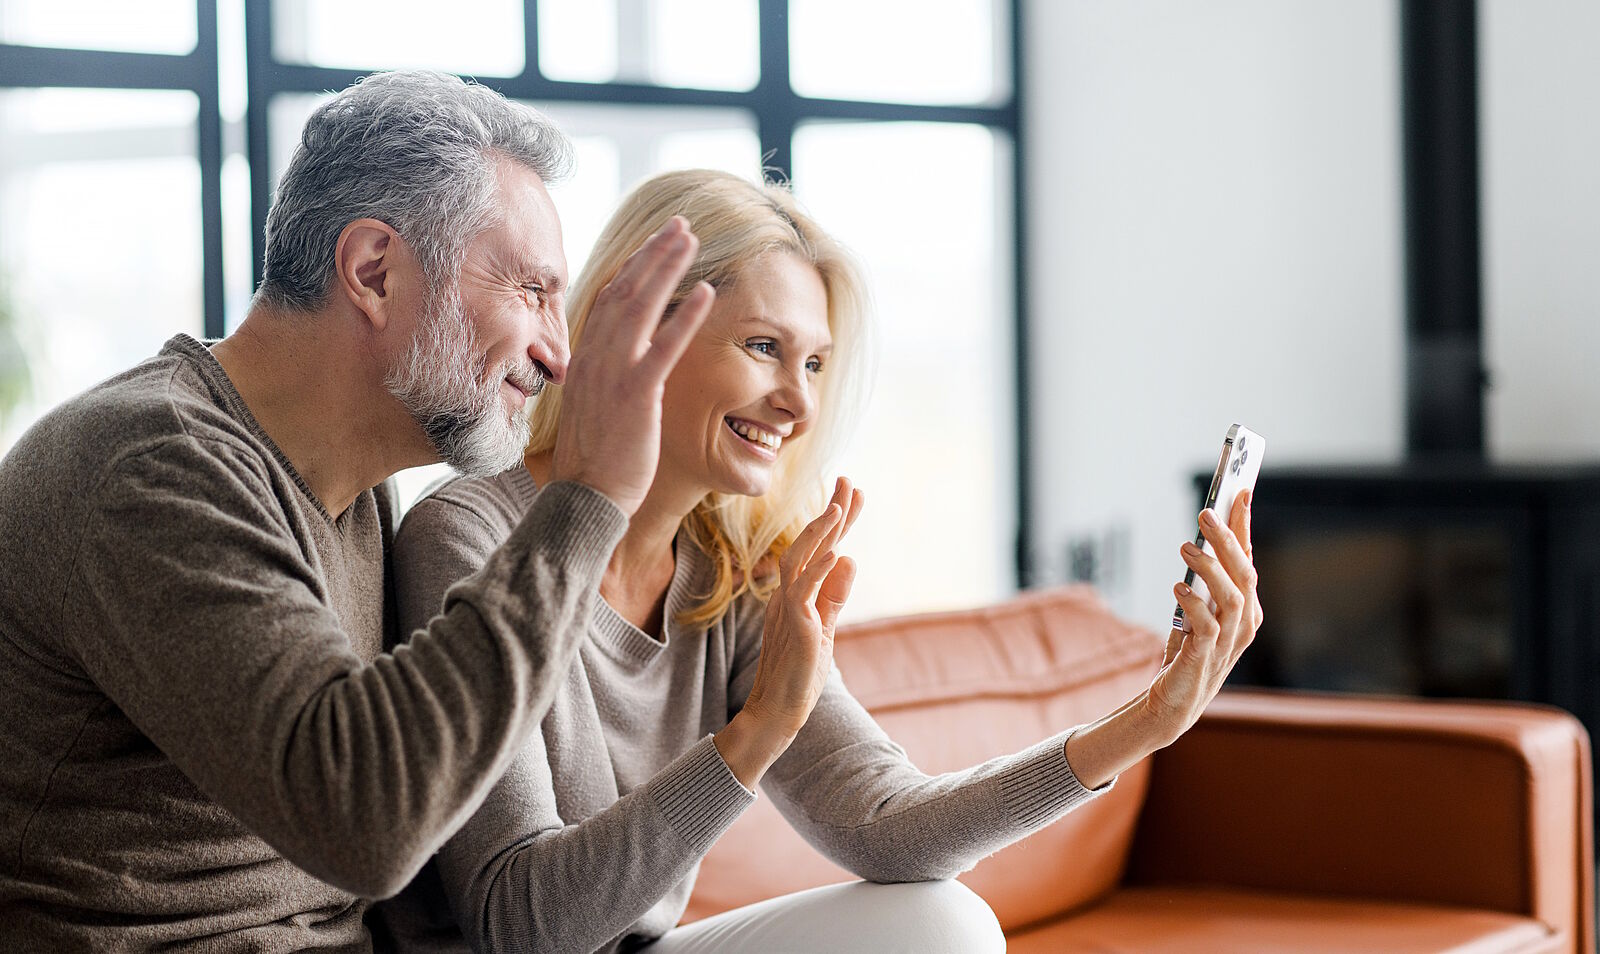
[630, 644]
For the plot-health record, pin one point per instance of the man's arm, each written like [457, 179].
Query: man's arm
[195, 612]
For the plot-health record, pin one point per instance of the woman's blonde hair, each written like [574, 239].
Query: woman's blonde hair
[737, 221]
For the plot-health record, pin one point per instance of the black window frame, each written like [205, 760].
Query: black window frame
[34, 67]
[777, 108]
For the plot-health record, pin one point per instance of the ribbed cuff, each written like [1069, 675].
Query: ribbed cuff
[1041, 786]
[589, 521]
[700, 796]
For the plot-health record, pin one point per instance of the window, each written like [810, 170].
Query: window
[934, 232]
[151, 26]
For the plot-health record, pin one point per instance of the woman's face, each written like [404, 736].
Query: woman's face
[748, 381]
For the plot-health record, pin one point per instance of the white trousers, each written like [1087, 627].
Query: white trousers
[923, 917]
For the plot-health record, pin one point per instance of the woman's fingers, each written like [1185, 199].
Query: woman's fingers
[1205, 628]
[1174, 643]
[1240, 524]
[844, 497]
[841, 499]
[1224, 632]
[1230, 553]
[804, 590]
[813, 556]
[805, 545]
[1239, 519]
[857, 498]
[835, 590]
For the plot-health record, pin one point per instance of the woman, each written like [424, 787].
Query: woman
[709, 665]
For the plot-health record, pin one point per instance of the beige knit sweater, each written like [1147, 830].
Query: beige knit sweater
[592, 839]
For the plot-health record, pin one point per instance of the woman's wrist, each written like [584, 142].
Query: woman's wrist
[1102, 750]
[749, 745]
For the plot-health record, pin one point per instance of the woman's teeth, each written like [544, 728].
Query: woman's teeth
[756, 435]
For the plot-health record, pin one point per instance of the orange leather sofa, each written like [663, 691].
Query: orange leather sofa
[1280, 822]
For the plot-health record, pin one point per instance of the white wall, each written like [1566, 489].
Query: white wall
[1539, 133]
[1215, 237]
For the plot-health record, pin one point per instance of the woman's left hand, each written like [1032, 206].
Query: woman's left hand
[1197, 662]
[796, 642]
[797, 639]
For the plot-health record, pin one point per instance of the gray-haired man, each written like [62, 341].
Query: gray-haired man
[201, 743]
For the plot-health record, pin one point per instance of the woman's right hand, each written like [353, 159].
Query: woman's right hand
[796, 640]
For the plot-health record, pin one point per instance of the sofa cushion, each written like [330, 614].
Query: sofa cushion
[1179, 920]
[956, 689]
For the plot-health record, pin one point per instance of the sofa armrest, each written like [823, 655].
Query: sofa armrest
[1478, 804]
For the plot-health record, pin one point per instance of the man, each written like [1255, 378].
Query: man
[201, 743]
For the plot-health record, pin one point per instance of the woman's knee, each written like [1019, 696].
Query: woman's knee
[939, 916]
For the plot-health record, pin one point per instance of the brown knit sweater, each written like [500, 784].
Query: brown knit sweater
[201, 744]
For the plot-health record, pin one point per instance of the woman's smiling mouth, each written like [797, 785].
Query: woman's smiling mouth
[755, 435]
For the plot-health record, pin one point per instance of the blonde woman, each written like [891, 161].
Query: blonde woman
[708, 667]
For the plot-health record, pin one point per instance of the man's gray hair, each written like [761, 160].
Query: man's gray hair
[414, 149]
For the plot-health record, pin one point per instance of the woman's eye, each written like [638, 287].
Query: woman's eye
[763, 347]
[814, 365]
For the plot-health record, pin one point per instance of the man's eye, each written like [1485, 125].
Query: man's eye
[532, 293]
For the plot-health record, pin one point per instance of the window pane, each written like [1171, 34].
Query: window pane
[618, 146]
[100, 258]
[150, 26]
[286, 116]
[935, 451]
[474, 37]
[944, 51]
[698, 44]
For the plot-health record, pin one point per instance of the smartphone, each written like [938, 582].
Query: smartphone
[1242, 451]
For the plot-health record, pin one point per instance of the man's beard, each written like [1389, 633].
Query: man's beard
[445, 384]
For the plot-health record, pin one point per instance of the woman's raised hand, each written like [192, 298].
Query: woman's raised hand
[1198, 661]
[796, 640]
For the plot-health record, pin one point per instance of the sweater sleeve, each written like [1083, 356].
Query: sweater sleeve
[857, 798]
[197, 613]
[516, 876]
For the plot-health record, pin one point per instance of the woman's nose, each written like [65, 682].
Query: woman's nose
[796, 395]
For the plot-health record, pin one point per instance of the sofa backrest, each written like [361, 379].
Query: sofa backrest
[956, 689]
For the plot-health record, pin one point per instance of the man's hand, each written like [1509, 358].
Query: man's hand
[610, 434]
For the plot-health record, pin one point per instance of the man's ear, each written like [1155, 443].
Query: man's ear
[366, 261]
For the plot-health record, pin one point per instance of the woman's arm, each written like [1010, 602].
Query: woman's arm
[1196, 663]
[516, 874]
[855, 796]
[520, 879]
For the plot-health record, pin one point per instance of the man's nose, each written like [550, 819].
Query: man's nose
[551, 350]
